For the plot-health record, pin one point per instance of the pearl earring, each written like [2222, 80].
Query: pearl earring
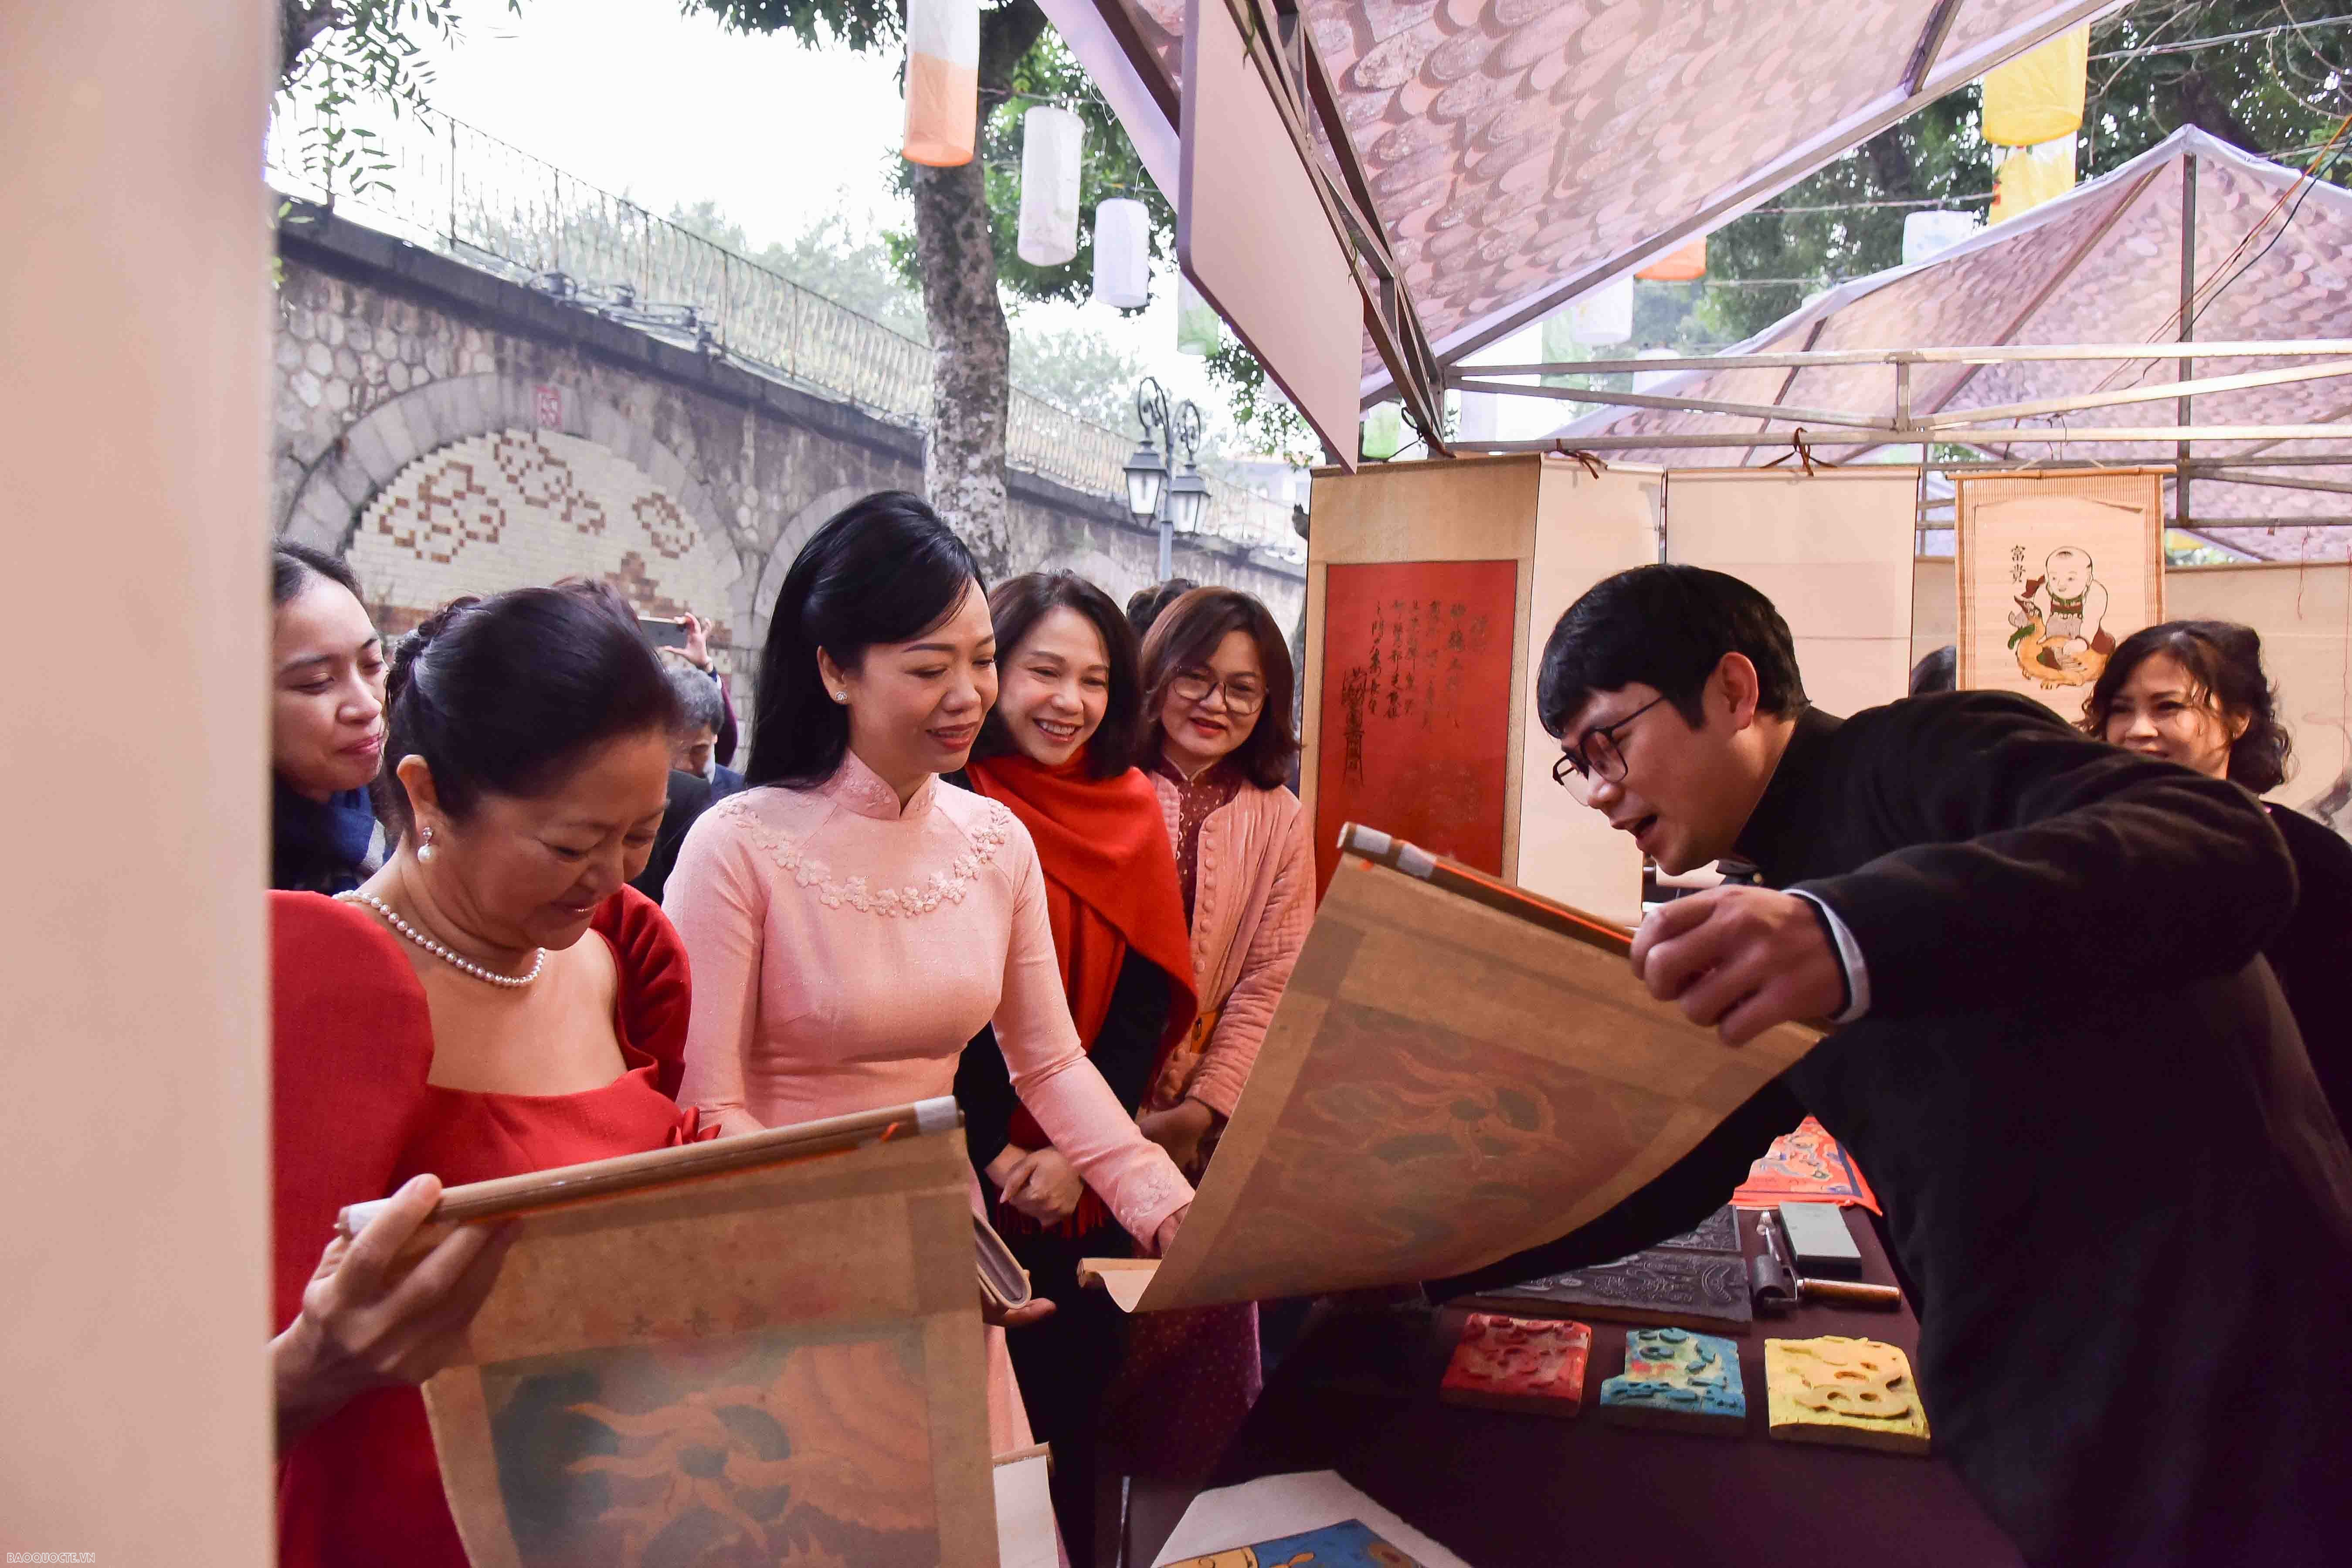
[424, 850]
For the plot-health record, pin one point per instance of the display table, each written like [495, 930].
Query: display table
[1359, 1395]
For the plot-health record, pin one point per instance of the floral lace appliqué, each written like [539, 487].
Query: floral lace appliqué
[946, 886]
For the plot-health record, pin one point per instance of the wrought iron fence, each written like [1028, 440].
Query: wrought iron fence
[439, 183]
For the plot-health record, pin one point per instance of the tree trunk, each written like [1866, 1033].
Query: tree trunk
[2195, 103]
[963, 457]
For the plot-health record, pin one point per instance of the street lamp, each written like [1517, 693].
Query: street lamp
[1188, 494]
[1147, 471]
[1180, 505]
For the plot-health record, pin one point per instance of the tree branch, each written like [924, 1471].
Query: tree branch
[300, 23]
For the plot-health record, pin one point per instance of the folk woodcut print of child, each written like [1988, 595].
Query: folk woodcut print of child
[2060, 639]
[2054, 572]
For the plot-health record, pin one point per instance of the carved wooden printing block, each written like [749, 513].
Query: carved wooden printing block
[1698, 1278]
[1678, 1380]
[1519, 1363]
[1839, 1390]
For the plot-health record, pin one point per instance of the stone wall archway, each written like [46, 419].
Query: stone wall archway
[796, 532]
[486, 482]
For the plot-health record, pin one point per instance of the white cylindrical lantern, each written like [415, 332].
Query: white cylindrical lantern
[1123, 254]
[1051, 141]
[1651, 380]
[1198, 330]
[1605, 315]
[1383, 432]
[942, 82]
[1925, 234]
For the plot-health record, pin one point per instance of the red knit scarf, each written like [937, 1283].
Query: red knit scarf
[1110, 885]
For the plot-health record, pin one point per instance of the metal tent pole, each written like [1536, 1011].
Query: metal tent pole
[2188, 330]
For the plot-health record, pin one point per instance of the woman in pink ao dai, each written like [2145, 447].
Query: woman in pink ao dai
[855, 921]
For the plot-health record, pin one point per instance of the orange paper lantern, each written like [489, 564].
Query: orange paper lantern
[942, 82]
[1684, 266]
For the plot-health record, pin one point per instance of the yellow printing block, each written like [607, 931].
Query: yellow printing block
[1845, 1391]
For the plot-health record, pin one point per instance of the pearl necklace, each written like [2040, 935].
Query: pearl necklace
[439, 952]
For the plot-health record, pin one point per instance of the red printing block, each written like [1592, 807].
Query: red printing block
[1519, 1363]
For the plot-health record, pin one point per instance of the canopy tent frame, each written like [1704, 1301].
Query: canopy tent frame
[2026, 432]
[1917, 93]
[1341, 126]
[1938, 425]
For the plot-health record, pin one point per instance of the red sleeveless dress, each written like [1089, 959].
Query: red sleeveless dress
[354, 1118]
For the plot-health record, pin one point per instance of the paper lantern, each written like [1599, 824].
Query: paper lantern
[1651, 380]
[942, 82]
[1605, 315]
[1198, 330]
[2038, 96]
[1683, 266]
[1051, 141]
[2032, 175]
[1925, 234]
[1122, 253]
[1383, 432]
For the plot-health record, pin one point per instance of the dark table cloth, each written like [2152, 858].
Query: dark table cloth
[1359, 1395]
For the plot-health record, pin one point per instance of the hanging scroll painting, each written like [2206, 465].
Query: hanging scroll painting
[622, 1401]
[2054, 570]
[1416, 707]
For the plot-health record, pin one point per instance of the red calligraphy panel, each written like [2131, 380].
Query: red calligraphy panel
[1416, 707]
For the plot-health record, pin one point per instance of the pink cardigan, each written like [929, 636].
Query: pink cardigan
[1251, 908]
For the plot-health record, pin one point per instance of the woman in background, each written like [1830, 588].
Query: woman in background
[852, 924]
[454, 1019]
[1218, 694]
[2193, 692]
[1057, 750]
[326, 724]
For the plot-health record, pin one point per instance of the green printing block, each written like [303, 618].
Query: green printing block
[1679, 1379]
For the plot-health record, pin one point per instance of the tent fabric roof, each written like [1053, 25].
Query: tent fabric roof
[2100, 265]
[1521, 151]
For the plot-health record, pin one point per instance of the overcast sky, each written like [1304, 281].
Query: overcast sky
[668, 109]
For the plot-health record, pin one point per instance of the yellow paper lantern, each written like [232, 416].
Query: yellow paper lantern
[2038, 97]
[1684, 266]
[942, 82]
[2032, 175]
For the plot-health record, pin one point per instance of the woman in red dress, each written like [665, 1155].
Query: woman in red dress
[445, 1022]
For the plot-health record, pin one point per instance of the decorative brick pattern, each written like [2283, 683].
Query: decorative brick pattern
[501, 511]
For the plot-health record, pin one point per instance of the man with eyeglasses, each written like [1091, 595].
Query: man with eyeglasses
[2111, 1185]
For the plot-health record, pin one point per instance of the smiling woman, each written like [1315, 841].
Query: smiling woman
[326, 723]
[1057, 751]
[854, 922]
[445, 1021]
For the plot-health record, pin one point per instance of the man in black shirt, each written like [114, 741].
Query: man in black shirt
[2121, 1204]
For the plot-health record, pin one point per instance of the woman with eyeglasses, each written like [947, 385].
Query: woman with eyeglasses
[1217, 685]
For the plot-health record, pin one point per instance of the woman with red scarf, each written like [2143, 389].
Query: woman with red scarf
[1057, 751]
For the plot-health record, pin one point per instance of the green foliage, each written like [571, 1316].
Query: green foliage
[1070, 368]
[1264, 419]
[2269, 94]
[2276, 95]
[335, 54]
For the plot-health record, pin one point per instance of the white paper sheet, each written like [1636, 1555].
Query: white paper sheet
[1276, 1506]
[1024, 1514]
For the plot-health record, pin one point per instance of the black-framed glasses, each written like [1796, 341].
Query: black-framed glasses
[1194, 685]
[1599, 755]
